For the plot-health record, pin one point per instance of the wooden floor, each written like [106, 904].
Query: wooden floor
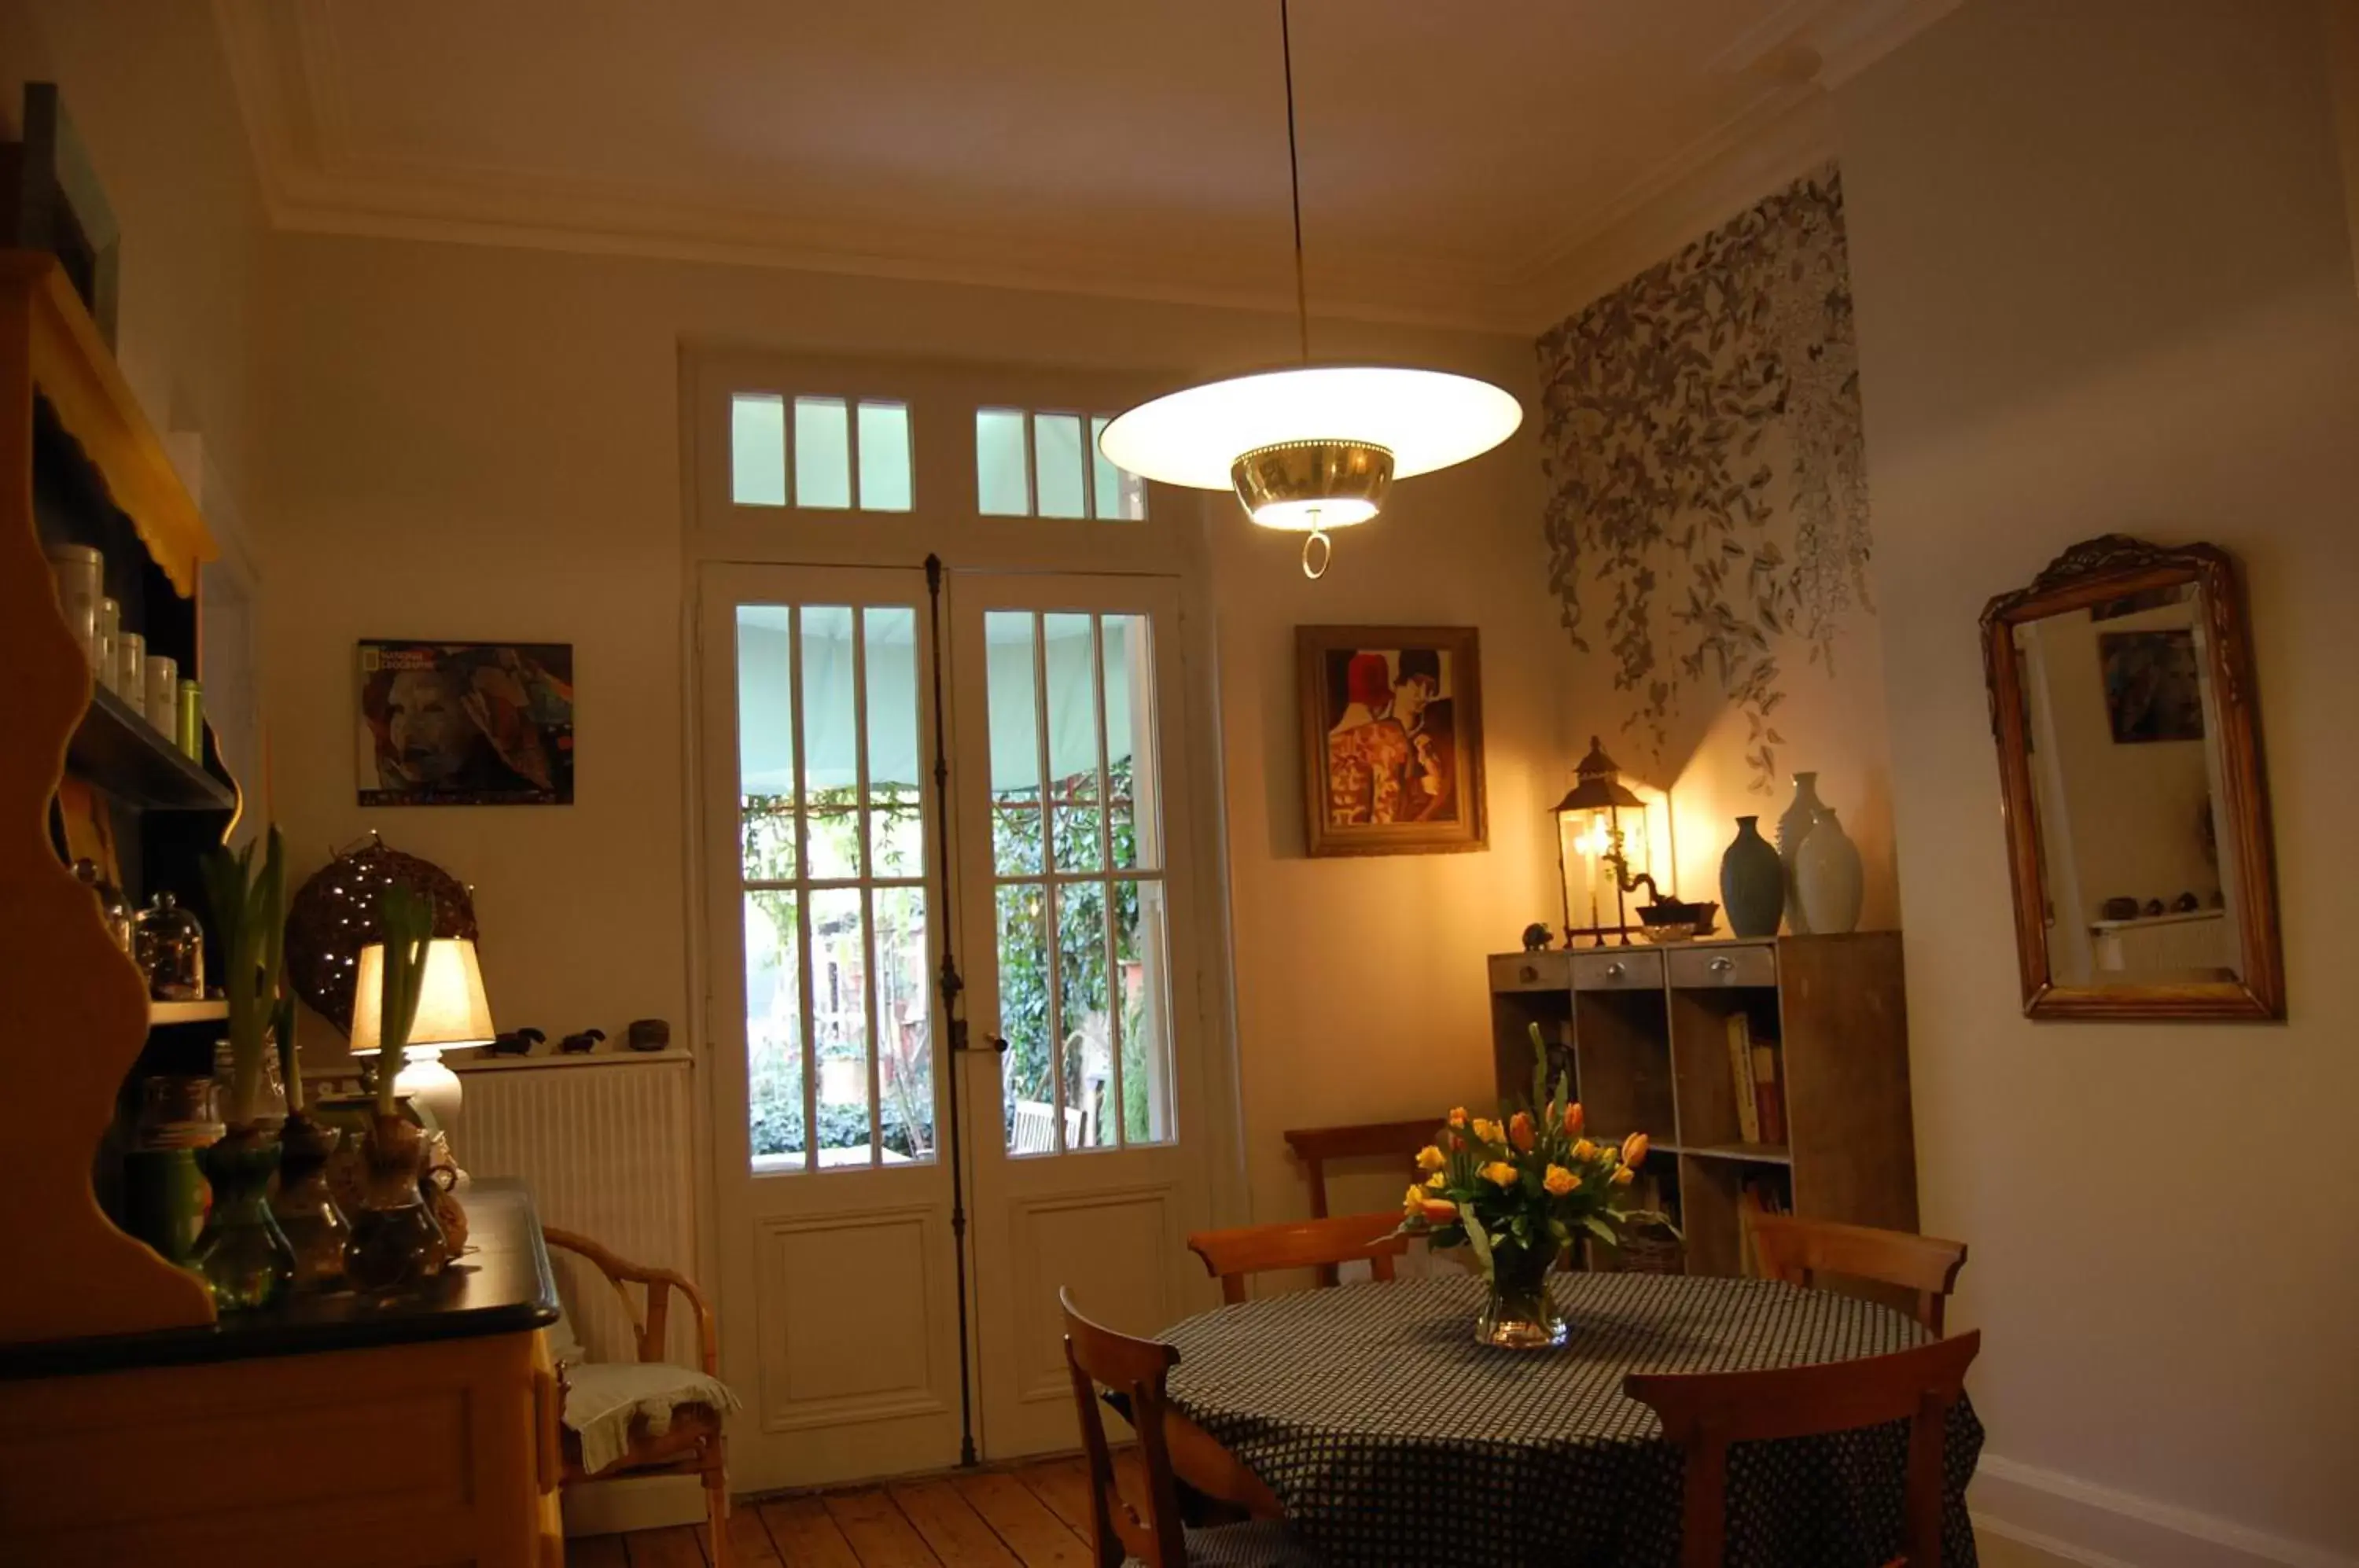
[1033, 1516]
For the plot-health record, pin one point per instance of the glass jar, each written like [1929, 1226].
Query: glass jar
[80, 573]
[112, 907]
[396, 1245]
[170, 947]
[306, 1210]
[243, 1256]
[177, 1112]
[268, 1107]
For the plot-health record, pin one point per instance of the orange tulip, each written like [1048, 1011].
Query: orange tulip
[1584, 1151]
[1634, 1149]
[1519, 1131]
[1574, 1120]
[1559, 1180]
[1439, 1211]
[1500, 1173]
[1621, 1177]
[1458, 1116]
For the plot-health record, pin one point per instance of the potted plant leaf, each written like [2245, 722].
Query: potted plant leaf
[241, 1254]
[395, 1243]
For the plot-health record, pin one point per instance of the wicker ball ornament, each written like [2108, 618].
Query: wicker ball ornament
[334, 915]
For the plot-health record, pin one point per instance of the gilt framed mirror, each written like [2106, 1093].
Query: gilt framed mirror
[2136, 805]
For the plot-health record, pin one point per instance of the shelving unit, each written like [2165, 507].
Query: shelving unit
[140, 767]
[1643, 1033]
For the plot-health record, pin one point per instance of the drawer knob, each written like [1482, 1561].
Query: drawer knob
[1528, 974]
[1722, 965]
[1615, 971]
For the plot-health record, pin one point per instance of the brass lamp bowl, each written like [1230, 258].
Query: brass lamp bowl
[1307, 486]
[1675, 920]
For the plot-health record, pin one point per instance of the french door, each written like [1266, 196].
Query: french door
[845, 1283]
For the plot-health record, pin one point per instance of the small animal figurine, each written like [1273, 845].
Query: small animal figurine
[516, 1042]
[2153, 908]
[1537, 936]
[648, 1034]
[582, 1044]
[2186, 904]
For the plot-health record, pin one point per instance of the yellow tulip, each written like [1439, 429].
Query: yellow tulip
[1500, 1173]
[1634, 1149]
[1559, 1180]
[1488, 1131]
[1621, 1177]
[1458, 1116]
[1573, 1120]
[1438, 1181]
[1431, 1159]
[1412, 1204]
[1584, 1151]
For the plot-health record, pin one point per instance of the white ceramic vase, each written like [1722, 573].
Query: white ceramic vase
[1792, 829]
[1827, 876]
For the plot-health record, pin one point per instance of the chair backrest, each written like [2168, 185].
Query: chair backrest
[1036, 1127]
[1098, 1359]
[1231, 1254]
[1314, 1147]
[1798, 1251]
[1704, 1412]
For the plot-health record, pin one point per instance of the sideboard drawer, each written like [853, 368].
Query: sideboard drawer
[1543, 971]
[1696, 968]
[1632, 969]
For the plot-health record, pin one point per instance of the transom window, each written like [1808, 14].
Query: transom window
[1077, 853]
[832, 455]
[833, 862]
[1030, 464]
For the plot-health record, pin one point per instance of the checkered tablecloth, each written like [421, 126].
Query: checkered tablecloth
[1394, 1438]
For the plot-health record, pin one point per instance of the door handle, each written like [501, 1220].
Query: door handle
[995, 1044]
[1722, 965]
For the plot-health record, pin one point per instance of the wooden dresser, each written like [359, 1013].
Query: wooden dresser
[1645, 1033]
[421, 1434]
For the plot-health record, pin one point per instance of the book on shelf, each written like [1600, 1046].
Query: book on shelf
[1740, 1070]
[1758, 1195]
[1769, 1094]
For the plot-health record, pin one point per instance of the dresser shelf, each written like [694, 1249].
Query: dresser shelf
[124, 754]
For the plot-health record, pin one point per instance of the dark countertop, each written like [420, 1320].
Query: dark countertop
[502, 1285]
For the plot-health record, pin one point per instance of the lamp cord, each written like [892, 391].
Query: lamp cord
[1294, 177]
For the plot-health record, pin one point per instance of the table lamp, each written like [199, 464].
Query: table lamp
[453, 1014]
[1602, 830]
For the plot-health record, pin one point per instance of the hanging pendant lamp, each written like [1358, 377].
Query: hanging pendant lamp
[1315, 448]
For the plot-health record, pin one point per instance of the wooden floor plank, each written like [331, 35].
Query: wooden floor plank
[805, 1534]
[881, 1536]
[1064, 1486]
[596, 1551]
[674, 1547]
[1037, 1537]
[750, 1545]
[956, 1532]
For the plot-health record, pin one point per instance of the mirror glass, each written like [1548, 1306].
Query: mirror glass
[2123, 735]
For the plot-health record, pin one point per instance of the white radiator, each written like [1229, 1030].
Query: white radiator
[2194, 944]
[606, 1145]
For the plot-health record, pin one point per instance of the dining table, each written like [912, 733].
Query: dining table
[1391, 1437]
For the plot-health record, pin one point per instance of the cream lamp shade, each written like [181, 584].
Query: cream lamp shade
[452, 1011]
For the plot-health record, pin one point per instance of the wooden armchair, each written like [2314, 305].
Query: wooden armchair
[694, 1443]
[1314, 1147]
[1231, 1254]
[1798, 1251]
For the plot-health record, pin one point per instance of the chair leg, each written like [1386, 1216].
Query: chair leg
[716, 1506]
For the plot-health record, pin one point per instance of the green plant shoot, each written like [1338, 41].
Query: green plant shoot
[249, 913]
[407, 918]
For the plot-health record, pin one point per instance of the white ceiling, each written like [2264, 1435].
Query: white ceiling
[1489, 164]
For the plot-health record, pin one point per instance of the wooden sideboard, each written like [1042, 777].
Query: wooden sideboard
[418, 1434]
[1643, 1033]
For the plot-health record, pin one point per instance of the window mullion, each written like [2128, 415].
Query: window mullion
[1052, 905]
[806, 1024]
[860, 860]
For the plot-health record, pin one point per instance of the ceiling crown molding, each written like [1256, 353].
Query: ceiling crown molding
[284, 65]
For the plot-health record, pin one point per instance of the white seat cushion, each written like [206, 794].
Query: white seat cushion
[602, 1397]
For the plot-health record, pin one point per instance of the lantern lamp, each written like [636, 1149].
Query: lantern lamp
[1601, 843]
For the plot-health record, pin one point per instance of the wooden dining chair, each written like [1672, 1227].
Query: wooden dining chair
[1314, 1147]
[1231, 1254]
[1704, 1412]
[1797, 1251]
[1136, 1371]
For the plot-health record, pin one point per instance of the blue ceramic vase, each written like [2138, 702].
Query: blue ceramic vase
[1752, 882]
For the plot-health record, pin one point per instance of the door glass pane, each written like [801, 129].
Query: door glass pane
[1073, 670]
[830, 743]
[1138, 918]
[1081, 1013]
[1025, 1071]
[905, 1068]
[884, 457]
[840, 1024]
[1126, 666]
[765, 742]
[1059, 466]
[1116, 495]
[822, 454]
[1015, 743]
[774, 1045]
[757, 449]
[1002, 482]
[895, 825]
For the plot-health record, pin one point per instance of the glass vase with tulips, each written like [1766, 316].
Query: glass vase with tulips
[1516, 1192]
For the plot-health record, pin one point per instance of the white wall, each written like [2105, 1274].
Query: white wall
[481, 443]
[2104, 283]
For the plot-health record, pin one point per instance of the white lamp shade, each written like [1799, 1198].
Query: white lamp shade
[1426, 419]
[452, 1010]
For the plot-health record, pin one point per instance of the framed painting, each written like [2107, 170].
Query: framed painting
[465, 723]
[1392, 739]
